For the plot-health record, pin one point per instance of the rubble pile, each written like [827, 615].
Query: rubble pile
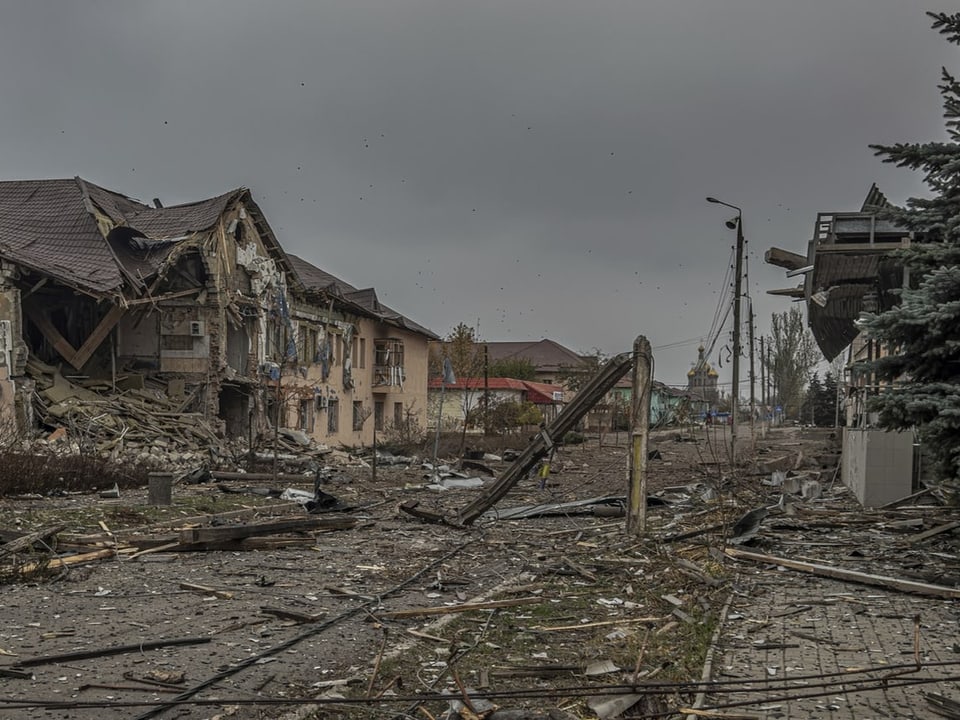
[142, 420]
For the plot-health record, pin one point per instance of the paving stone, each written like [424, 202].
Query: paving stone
[787, 627]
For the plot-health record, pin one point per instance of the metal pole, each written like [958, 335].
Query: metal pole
[639, 430]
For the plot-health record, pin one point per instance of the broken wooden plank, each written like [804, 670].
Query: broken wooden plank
[238, 532]
[466, 607]
[913, 539]
[837, 573]
[411, 507]
[26, 541]
[53, 336]
[297, 617]
[579, 569]
[115, 650]
[67, 561]
[204, 590]
[908, 498]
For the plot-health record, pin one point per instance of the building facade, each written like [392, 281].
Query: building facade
[196, 303]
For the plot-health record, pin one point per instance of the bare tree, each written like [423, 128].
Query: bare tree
[793, 357]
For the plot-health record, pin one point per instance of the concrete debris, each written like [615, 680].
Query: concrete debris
[746, 527]
[567, 592]
[142, 422]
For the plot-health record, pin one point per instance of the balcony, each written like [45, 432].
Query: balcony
[388, 372]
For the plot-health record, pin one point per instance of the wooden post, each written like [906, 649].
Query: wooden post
[639, 430]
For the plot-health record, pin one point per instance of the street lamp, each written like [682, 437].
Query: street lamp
[737, 292]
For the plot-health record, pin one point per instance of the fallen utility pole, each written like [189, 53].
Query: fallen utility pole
[837, 573]
[552, 433]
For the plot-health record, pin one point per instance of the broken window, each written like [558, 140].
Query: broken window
[276, 340]
[238, 346]
[358, 415]
[333, 416]
[176, 342]
[306, 416]
[362, 355]
[348, 347]
[378, 415]
[388, 362]
[398, 414]
[307, 348]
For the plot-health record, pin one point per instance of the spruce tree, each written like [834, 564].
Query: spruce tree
[922, 332]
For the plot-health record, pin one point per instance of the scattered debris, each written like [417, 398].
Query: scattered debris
[891, 583]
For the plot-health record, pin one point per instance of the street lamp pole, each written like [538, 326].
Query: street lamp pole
[737, 293]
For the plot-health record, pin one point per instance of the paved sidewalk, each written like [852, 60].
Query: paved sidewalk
[783, 627]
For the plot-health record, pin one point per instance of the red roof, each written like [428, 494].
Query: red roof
[535, 392]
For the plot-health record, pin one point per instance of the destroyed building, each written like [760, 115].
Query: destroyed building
[195, 308]
[851, 267]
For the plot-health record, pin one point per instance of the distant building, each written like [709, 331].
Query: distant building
[702, 380]
[551, 360]
[467, 394]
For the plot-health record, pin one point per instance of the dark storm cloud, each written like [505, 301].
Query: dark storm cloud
[537, 167]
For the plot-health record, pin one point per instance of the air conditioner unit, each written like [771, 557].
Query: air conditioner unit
[197, 329]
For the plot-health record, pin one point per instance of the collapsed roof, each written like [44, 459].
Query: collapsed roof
[848, 269]
[99, 241]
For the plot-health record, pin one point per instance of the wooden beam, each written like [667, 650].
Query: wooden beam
[166, 296]
[785, 259]
[933, 531]
[26, 541]
[237, 532]
[46, 328]
[794, 292]
[98, 335]
[837, 573]
[58, 563]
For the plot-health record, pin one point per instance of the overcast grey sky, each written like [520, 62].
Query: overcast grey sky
[539, 166]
